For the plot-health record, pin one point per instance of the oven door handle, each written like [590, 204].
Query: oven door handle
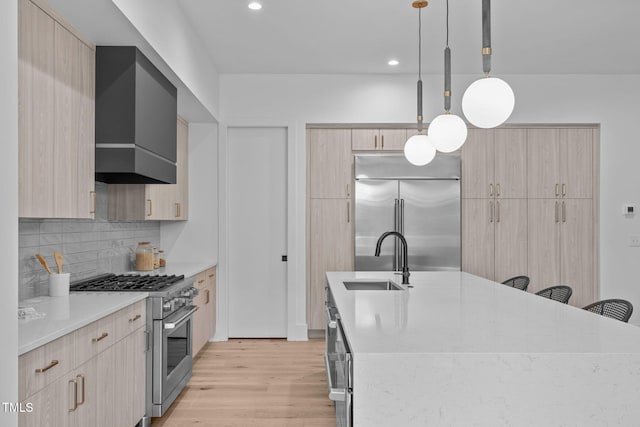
[177, 323]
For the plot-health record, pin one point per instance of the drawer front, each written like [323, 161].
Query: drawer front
[43, 365]
[201, 280]
[94, 339]
[129, 319]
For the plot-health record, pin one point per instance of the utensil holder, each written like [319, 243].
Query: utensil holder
[59, 284]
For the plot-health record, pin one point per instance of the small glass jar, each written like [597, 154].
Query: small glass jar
[163, 261]
[144, 256]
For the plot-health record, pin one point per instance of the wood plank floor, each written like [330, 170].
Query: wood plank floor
[255, 382]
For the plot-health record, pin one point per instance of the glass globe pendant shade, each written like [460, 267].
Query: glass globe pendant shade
[447, 133]
[488, 102]
[419, 150]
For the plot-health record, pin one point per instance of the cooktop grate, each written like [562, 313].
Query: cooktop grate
[126, 283]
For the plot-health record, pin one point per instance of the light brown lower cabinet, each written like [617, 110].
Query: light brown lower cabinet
[204, 320]
[106, 390]
[561, 247]
[331, 249]
[495, 237]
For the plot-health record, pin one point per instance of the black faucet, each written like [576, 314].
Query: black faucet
[405, 258]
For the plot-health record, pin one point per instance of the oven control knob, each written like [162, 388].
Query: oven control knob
[195, 292]
[187, 293]
[169, 305]
[180, 302]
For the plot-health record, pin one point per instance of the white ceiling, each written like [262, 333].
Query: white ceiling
[358, 36]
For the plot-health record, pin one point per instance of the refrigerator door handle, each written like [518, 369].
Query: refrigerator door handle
[396, 227]
[400, 258]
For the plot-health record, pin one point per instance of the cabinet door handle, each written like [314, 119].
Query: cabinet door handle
[375, 141]
[49, 366]
[557, 190]
[177, 209]
[150, 207]
[497, 190]
[100, 338]
[490, 211]
[211, 276]
[93, 202]
[564, 212]
[207, 301]
[348, 190]
[75, 395]
[348, 212]
[564, 190]
[133, 319]
[382, 140]
[490, 190]
[497, 211]
[200, 281]
[556, 211]
[81, 377]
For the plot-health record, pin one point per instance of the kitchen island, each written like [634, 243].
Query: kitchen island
[459, 350]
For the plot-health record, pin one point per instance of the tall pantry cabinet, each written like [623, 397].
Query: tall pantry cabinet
[494, 206]
[529, 206]
[562, 234]
[330, 213]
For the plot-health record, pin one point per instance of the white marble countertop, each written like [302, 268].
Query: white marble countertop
[454, 312]
[66, 314]
[189, 269]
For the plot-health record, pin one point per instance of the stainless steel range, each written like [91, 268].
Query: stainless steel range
[170, 324]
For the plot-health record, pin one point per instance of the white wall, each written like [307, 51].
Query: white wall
[197, 238]
[163, 24]
[611, 100]
[9, 210]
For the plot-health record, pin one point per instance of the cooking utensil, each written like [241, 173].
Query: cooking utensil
[59, 260]
[43, 262]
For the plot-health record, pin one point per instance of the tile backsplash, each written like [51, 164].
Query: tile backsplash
[90, 247]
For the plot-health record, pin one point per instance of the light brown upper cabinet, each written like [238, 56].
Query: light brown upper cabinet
[330, 165]
[56, 94]
[378, 139]
[494, 164]
[139, 202]
[560, 163]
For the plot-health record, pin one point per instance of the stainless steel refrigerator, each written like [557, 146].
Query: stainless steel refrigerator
[421, 202]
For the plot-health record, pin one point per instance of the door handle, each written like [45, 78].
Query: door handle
[80, 377]
[49, 366]
[490, 190]
[556, 212]
[100, 338]
[150, 207]
[93, 202]
[382, 140]
[75, 395]
[348, 192]
[497, 190]
[497, 211]
[557, 190]
[564, 212]
[564, 190]
[375, 141]
[348, 212]
[490, 211]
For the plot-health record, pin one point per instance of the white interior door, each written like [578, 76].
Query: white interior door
[257, 232]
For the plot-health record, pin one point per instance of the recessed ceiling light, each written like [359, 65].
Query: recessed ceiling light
[254, 5]
[393, 62]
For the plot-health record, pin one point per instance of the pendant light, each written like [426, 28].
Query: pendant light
[447, 131]
[418, 149]
[488, 102]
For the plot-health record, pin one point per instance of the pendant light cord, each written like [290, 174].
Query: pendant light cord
[419, 44]
[447, 23]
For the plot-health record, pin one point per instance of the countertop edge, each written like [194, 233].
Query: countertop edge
[76, 323]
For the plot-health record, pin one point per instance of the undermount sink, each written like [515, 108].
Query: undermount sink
[372, 285]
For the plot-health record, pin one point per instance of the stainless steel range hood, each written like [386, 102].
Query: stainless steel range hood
[136, 111]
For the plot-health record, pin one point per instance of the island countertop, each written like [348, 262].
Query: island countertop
[456, 312]
[459, 350]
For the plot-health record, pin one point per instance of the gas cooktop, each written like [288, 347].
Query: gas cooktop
[126, 283]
